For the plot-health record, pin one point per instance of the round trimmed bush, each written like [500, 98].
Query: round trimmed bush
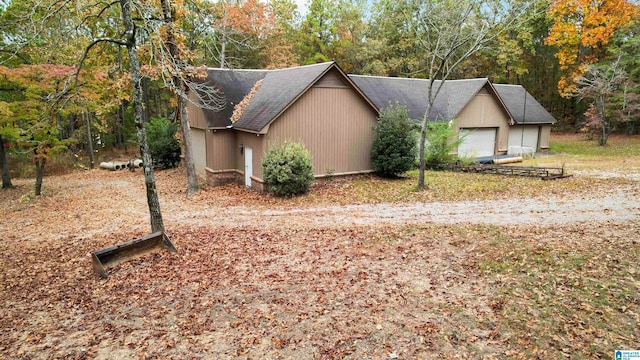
[394, 149]
[287, 169]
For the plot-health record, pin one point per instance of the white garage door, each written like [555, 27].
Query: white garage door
[526, 136]
[477, 142]
[198, 140]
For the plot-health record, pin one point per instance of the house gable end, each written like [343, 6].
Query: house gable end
[281, 88]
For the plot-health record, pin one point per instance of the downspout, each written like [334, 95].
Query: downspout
[524, 114]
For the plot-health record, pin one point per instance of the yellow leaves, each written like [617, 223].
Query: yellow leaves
[580, 30]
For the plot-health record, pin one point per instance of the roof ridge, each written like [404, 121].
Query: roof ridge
[272, 70]
[385, 77]
[326, 63]
[417, 79]
[227, 69]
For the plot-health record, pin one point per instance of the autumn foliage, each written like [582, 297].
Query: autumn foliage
[580, 30]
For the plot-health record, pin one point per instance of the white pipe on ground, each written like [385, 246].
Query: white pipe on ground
[113, 165]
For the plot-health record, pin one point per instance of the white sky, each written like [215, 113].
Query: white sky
[302, 7]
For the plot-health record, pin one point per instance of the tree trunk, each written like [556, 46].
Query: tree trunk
[192, 176]
[40, 161]
[137, 98]
[224, 35]
[145, 100]
[169, 12]
[92, 160]
[605, 123]
[423, 139]
[6, 178]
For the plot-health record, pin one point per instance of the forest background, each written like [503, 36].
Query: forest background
[65, 78]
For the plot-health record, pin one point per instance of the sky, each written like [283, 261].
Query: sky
[302, 7]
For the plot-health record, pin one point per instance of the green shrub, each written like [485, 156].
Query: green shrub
[442, 139]
[163, 145]
[394, 147]
[287, 169]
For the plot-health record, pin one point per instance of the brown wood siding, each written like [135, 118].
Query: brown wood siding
[255, 142]
[220, 146]
[196, 115]
[332, 79]
[485, 111]
[334, 124]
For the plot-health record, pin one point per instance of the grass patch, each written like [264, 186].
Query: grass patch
[567, 292]
[577, 145]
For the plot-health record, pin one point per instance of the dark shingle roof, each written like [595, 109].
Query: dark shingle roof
[278, 91]
[234, 86]
[412, 93]
[523, 107]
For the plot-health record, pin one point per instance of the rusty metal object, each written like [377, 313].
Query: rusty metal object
[114, 255]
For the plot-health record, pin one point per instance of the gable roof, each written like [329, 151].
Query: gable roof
[278, 91]
[412, 93]
[524, 108]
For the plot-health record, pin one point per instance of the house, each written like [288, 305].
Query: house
[532, 123]
[480, 115]
[316, 105]
[333, 115]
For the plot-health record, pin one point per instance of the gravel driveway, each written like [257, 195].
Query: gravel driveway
[619, 205]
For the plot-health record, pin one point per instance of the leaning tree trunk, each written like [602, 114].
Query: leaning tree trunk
[137, 97]
[6, 178]
[40, 160]
[192, 176]
[169, 12]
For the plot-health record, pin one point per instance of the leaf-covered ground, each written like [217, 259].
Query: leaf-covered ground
[346, 272]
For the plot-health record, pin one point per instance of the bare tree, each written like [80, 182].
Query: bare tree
[598, 84]
[451, 31]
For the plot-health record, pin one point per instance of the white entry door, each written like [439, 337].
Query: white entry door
[248, 166]
[477, 142]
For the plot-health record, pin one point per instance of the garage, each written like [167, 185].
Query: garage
[477, 142]
[524, 136]
[198, 141]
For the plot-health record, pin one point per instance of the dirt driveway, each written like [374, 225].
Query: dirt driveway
[96, 202]
[618, 205]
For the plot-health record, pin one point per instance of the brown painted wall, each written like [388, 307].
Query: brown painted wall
[199, 143]
[220, 146]
[485, 111]
[255, 142]
[196, 115]
[334, 123]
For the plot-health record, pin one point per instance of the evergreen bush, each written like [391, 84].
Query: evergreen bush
[442, 139]
[163, 144]
[287, 169]
[394, 149]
